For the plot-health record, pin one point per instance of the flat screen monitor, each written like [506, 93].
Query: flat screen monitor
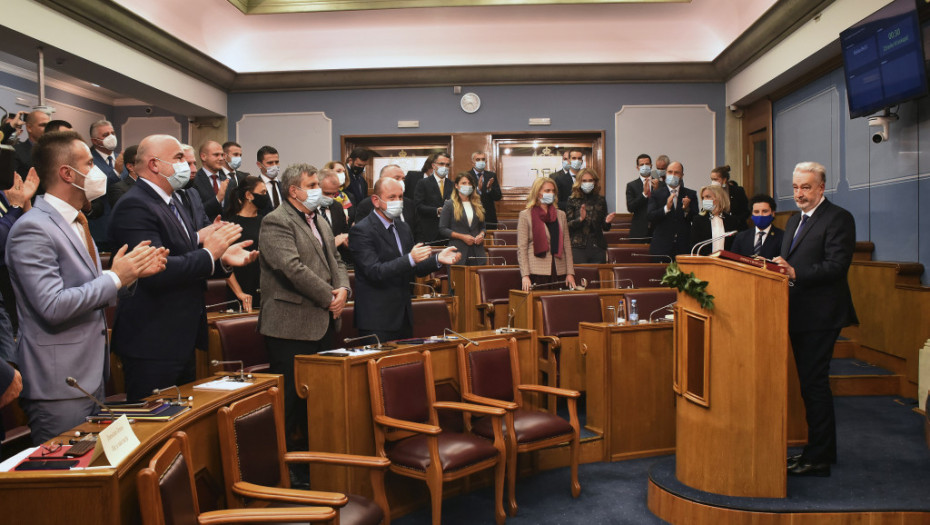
[883, 59]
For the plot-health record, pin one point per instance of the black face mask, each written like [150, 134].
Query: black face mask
[261, 201]
[357, 170]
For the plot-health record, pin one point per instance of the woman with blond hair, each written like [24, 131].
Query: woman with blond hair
[544, 248]
[343, 197]
[462, 221]
[588, 219]
[713, 220]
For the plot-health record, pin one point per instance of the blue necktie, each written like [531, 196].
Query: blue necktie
[797, 232]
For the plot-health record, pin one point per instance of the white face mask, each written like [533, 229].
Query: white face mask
[547, 198]
[342, 178]
[326, 201]
[272, 171]
[480, 165]
[442, 172]
[181, 175]
[394, 209]
[235, 162]
[465, 191]
[577, 164]
[95, 183]
[587, 187]
[715, 183]
[645, 170]
[314, 197]
[109, 142]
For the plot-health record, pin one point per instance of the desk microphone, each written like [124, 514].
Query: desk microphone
[712, 240]
[72, 382]
[242, 376]
[437, 241]
[348, 340]
[224, 303]
[510, 315]
[460, 336]
[553, 284]
[501, 243]
[488, 258]
[500, 225]
[159, 391]
[432, 291]
[612, 282]
[636, 239]
[669, 257]
[659, 309]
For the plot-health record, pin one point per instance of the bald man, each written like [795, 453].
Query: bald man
[35, 127]
[391, 171]
[157, 329]
[211, 181]
[671, 209]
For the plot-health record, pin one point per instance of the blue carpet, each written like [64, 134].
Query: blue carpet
[855, 367]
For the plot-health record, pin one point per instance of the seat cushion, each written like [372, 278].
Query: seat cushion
[358, 511]
[530, 426]
[456, 451]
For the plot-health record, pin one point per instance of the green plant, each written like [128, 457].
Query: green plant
[689, 284]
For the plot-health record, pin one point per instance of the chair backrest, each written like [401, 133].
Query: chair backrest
[495, 283]
[490, 369]
[347, 328]
[430, 317]
[216, 293]
[507, 224]
[251, 433]
[167, 494]
[240, 341]
[590, 274]
[624, 254]
[401, 387]
[352, 281]
[442, 272]
[617, 236]
[649, 276]
[506, 253]
[647, 301]
[509, 237]
[562, 313]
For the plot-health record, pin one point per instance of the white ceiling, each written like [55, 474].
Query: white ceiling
[456, 36]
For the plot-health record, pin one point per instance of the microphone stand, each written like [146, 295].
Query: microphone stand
[72, 382]
[712, 240]
[460, 336]
[242, 375]
[159, 391]
[659, 309]
[348, 340]
[650, 255]
[431, 289]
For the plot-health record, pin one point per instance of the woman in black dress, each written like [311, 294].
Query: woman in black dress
[250, 204]
[588, 219]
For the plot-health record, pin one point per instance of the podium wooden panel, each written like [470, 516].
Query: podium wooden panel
[732, 381]
[630, 400]
[107, 496]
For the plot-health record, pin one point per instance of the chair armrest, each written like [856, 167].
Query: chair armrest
[550, 340]
[485, 306]
[563, 392]
[400, 424]
[298, 496]
[257, 369]
[469, 407]
[435, 282]
[333, 458]
[267, 515]
[481, 400]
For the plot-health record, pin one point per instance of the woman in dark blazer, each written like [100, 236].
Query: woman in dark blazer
[588, 219]
[462, 221]
[713, 220]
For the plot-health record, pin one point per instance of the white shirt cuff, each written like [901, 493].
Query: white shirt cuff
[212, 262]
[115, 278]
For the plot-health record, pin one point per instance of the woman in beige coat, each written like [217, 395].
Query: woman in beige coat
[544, 248]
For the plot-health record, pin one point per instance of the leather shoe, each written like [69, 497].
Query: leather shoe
[806, 468]
[793, 460]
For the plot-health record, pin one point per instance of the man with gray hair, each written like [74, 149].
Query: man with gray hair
[338, 218]
[103, 147]
[304, 284]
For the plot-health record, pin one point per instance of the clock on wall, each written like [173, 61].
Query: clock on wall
[470, 103]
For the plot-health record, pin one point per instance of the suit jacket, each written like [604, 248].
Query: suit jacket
[204, 185]
[526, 257]
[22, 160]
[101, 162]
[298, 276]
[383, 274]
[165, 319]
[61, 295]
[119, 189]
[448, 224]
[637, 204]
[339, 224]
[671, 234]
[744, 243]
[739, 204]
[489, 195]
[563, 182]
[362, 209]
[428, 201]
[190, 199]
[701, 230]
[822, 253]
[410, 183]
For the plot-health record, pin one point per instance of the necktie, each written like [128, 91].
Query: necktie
[393, 231]
[216, 186]
[88, 240]
[177, 214]
[275, 199]
[312, 223]
[675, 200]
[758, 246]
[327, 217]
[442, 187]
[797, 233]
[110, 161]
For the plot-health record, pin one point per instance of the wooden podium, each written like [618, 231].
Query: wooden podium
[731, 376]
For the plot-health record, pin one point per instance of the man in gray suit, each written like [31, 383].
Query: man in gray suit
[62, 290]
[304, 283]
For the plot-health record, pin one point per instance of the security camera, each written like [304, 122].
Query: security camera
[148, 111]
[884, 122]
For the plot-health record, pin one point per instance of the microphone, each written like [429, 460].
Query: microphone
[511, 315]
[659, 309]
[72, 382]
[242, 376]
[651, 255]
[460, 336]
[234, 301]
[348, 340]
[553, 284]
[636, 239]
[500, 225]
[488, 258]
[437, 241]
[501, 243]
[159, 391]
[431, 289]
[702, 244]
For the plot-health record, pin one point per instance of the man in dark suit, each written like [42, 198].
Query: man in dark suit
[429, 197]
[489, 187]
[637, 197]
[671, 209]
[104, 143]
[189, 196]
[232, 157]
[764, 240]
[119, 189]
[211, 181]
[565, 179]
[335, 214]
[563, 170]
[392, 171]
[355, 164]
[157, 329]
[386, 261]
[816, 252]
[413, 177]
[35, 127]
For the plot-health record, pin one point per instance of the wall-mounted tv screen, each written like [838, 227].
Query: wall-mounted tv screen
[883, 59]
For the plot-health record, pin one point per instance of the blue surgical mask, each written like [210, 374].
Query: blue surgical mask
[565, 164]
[394, 209]
[181, 175]
[314, 197]
[326, 201]
[547, 198]
[645, 170]
[707, 204]
[660, 173]
[577, 164]
[465, 191]
[762, 221]
[272, 171]
[442, 171]
[235, 162]
[587, 187]
[480, 165]
[672, 181]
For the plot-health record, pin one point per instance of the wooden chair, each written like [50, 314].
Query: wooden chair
[403, 406]
[240, 341]
[168, 495]
[494, 285]
[490, 375]
[559, 357]
[639, 276]
[251, 435]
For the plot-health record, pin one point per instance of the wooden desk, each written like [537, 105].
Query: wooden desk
[629, 384]
[108, 496]
[339, 408]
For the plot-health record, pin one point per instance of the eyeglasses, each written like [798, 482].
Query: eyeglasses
[50, 449]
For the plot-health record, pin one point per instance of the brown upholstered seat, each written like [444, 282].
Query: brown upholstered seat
[347, 327]
[617, 236]
[560, 317]
[590, 275]
[509, 238]
[215, 294]
[508, 224]
[494, 285]
[168, 495]
[506, 253]
[624, 254]
[240, 341]
[254, 462]
[430, 317]
[639, 276]
[404, 409]
[490, 375]
[647, 301]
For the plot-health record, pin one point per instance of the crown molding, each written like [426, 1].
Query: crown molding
[264, 7]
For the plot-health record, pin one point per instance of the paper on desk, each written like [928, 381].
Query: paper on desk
[224, 383]
[352, 352]
[115, 443]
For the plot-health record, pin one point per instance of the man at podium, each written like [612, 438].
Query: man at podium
[817, 250]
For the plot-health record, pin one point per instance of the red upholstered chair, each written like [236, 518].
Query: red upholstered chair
[240, 341]
[639, 276]
[507, 254]
[647, 301]
[352, 282]
[167, 495]
[617, 236]
[403, 406]
[251, 435]
[347, 328]
[430, 317]
[624, 254]
[494, 285]
[490, 375]
[559, 358]
[590, 275]
[509, 237]
[216, 293]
